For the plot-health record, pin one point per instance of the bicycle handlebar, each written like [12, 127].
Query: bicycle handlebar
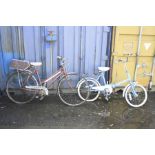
[59, 57]
[62, 60]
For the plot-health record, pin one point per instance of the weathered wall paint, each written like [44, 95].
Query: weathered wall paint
[125, 41]
[84, 47]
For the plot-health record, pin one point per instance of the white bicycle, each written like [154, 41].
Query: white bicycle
[134, 93]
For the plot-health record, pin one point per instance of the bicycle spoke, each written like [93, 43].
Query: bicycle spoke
[68, 92]
[16, 90]
[136, 100]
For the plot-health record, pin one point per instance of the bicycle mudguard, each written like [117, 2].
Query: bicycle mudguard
[89, 78]
[125, 90]
[15, 71]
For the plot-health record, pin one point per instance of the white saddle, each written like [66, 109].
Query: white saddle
[103, 69]
[36, 63]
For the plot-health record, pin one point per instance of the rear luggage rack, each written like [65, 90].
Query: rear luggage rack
[19, 64]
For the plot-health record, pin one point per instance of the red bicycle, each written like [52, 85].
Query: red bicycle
[25, 83]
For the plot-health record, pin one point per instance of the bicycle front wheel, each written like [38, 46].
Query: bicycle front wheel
[136, 96]
[68, 91]
[16, 87]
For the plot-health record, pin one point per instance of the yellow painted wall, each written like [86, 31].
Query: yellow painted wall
[125, 41]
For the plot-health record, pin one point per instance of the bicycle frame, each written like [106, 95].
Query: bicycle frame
[101, 76]
[115, 85]
[42, 84]
[52, 78]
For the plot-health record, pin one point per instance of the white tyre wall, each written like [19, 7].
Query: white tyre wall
[136, 106]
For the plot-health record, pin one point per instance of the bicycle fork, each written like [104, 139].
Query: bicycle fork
[133, 92]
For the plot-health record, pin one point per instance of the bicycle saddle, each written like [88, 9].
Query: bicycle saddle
[103, 69]
[36, 63]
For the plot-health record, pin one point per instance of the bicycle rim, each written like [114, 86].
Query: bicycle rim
[68, 91]
[16, 90]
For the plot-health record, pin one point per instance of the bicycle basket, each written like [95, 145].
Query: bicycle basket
[19, 64]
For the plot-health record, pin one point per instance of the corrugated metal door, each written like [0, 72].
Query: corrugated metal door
[85, 48]
[126, 40]
[11, 46]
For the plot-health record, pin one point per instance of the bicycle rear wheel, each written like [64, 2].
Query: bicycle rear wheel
[15, 87]
[68, 91]
[93, 94]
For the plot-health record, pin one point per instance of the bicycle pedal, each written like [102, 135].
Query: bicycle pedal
[107, 98]
[100, 98]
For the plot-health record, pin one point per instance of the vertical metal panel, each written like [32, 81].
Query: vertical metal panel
[97, 56]
[29, 43]
[82, 50]
[84, 47]
[77, 49]
[90, 49]
[6, 52]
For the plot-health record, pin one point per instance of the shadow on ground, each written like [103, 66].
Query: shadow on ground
[52, 113]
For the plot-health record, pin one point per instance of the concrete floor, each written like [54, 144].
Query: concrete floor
[52, 113]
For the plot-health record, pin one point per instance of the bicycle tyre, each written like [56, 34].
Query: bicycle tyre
[93, 94]
[129, 94]
[18, 94]
[68, 91]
